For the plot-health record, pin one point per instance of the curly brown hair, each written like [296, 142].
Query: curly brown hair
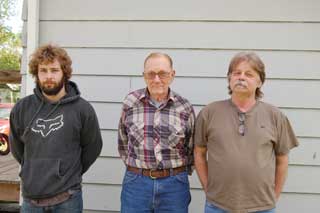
[256, 63]
[47, 54]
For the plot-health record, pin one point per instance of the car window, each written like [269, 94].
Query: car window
[5, 113]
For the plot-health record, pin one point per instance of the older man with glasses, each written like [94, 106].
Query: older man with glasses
[156, 143]
[242, 144]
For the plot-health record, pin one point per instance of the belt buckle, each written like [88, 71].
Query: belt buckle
[150, 174]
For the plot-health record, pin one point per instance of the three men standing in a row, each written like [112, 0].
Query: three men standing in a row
[238, 146]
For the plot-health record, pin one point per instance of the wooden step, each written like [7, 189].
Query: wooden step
[9, 179]
[9, 192]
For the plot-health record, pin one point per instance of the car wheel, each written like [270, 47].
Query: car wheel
[4, 145]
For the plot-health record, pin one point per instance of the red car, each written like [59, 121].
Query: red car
[5, 109]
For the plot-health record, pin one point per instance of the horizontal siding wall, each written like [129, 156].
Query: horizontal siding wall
[191, 62]
[203, 90]
[108, 41]
[246, 10]
[163, 34]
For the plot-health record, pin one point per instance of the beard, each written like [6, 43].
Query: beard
[51, 90]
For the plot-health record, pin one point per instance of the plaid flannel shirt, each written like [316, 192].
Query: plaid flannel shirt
[156, 138]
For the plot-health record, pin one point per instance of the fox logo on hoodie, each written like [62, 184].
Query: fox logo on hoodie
[45, 127]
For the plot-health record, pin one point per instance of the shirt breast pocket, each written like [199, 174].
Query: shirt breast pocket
[176, 135]
[136, 133]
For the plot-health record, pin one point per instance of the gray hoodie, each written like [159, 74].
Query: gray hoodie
[55, 143]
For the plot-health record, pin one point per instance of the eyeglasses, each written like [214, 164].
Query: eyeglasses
[242, 118]
[152, 75]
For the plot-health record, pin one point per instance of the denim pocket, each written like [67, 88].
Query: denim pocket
[209, 207]
[73, 204]
[129, 177]
[182, 177]
[76, 193]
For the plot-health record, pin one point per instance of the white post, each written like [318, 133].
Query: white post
[32, 39]
[32, 44]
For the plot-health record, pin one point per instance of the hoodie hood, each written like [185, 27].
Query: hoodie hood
[72, 91]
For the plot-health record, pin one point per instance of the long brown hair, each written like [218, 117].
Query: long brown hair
[256, 63]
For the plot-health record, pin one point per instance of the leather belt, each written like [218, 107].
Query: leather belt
[157, 173]
[57, 199]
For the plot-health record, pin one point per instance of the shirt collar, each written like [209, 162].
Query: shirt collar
[145, 95]
[249, 112]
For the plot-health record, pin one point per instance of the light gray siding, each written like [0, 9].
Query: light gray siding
[182, 34]
[108, 41]
[204, 10]
[192, 62]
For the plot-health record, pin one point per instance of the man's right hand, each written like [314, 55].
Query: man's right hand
[201, 164]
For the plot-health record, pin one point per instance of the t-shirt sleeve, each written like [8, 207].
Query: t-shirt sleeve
[286, 137]
[200, 136]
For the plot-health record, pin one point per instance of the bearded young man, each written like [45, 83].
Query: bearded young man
[55, 136]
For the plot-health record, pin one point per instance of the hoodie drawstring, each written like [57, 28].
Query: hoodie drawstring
[27, 129]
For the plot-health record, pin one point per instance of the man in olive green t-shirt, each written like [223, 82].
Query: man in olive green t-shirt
[247, 142]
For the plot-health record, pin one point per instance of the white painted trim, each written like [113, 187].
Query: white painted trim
[32, 44]
[32, 38]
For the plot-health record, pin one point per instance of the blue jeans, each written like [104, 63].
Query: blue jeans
[210, 208]
[73, 205]
[141, 194]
